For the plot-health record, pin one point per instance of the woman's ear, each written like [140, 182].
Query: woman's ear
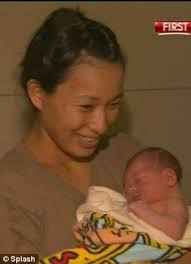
[171, 177]
[35, 93]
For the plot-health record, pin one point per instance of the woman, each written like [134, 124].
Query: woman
[72, 73]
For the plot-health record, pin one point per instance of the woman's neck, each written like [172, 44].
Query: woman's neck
[46, 152]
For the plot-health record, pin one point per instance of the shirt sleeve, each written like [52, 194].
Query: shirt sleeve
[20, 230]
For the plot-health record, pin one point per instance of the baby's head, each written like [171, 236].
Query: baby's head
[151, 175]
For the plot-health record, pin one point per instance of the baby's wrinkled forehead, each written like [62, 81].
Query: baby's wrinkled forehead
[154, 158]
[139, 164]
[145, 160]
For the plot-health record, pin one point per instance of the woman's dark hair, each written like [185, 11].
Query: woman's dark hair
[60, 41]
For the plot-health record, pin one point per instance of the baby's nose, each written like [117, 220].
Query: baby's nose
[132, 194]
[132, 189]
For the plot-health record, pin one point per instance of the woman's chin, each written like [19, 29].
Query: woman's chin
[83, 154]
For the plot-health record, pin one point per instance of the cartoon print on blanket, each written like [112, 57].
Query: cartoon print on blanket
[105, 244]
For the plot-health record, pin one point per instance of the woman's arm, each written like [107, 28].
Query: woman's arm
[20, 230]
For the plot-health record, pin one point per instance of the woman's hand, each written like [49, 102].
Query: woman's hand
[104, 236]
[77, 231]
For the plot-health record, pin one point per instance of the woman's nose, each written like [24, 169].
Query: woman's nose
[99, 122]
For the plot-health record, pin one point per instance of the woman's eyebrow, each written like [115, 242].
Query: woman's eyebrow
[94, 98]
[86, 98]
[118, 96]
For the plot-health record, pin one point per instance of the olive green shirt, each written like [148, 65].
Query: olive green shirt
[37, 208]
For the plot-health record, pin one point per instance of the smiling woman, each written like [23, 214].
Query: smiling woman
[84, 106]
[72, 73]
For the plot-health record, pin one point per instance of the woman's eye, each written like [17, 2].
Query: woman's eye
[86, 108]
[114, 106]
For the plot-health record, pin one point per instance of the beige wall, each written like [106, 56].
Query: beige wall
[158, 80]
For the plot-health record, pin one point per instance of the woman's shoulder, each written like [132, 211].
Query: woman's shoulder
[9, 158]
[19, 172]
[119, 145]
[13, 158]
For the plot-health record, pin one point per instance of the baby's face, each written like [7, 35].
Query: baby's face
[144, 181]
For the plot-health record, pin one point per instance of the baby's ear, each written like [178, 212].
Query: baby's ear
[171, 177]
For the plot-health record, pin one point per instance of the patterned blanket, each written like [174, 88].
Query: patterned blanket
[105, 244]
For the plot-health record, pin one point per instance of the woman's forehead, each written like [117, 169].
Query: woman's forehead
[86, 80]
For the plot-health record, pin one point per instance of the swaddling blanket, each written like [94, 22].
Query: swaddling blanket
[122, 237]
[118, 246]
[107, 201]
